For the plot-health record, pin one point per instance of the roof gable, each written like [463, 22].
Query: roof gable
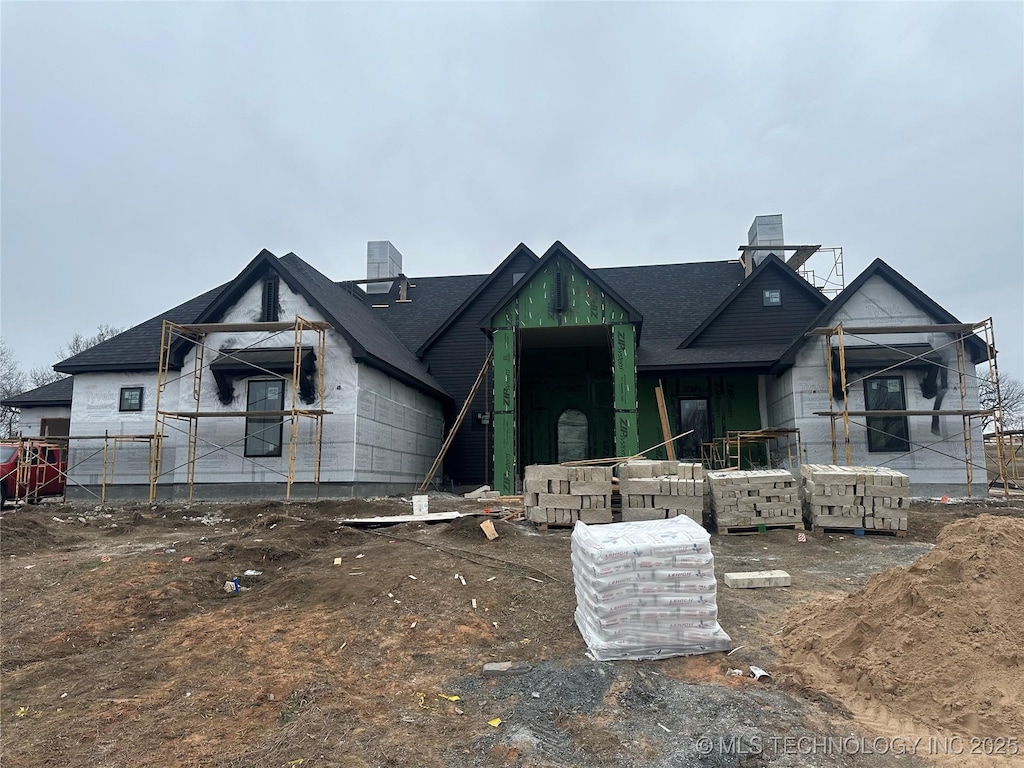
[915, 295]
[371, 341]
[428, 304]
[742, 319]
[585, 294]
[499, 271]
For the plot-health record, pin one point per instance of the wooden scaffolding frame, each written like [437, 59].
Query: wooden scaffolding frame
[109, 451]
[727, 452]
[195, 333]
[835, 362]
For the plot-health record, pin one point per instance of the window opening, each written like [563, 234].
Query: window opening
[886, 433]
[131, 399]
[263, 433]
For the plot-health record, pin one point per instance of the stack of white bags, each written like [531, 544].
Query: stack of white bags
[646, 590]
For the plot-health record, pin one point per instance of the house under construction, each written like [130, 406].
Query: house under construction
[285, 382]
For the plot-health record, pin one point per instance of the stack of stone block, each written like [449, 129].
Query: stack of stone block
[658, 490]
[559, 495]
[762, 497]
[873, 498]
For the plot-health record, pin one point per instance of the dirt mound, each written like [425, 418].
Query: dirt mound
[938, 644]
[22, 531]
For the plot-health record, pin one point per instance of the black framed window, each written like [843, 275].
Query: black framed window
[886, 433]
[263, 433]
[695, 414]
[771, 297]
[131, 399]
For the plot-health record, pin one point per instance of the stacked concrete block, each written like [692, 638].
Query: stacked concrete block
[658, 490]
[646, 590]
[559, 495]
[872, 498]
[763, 497]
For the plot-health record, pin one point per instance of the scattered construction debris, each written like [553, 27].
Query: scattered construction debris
[429, 517]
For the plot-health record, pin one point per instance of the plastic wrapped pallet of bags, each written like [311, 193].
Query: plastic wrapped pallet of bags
[646, 590]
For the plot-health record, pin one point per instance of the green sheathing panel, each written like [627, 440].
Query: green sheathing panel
[555, 379]
[732, 400]
[505, 411]
[627, 442]
[584, 303]
[561, 294]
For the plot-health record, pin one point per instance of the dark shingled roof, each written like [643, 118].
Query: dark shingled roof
[664, 355]
[371, 340]
[56, 393]
[433, 300]
[138, 348]
[674, 298]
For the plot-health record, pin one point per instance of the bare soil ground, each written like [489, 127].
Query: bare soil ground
[120, 646]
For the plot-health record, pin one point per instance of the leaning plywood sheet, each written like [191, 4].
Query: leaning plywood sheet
[429, 517]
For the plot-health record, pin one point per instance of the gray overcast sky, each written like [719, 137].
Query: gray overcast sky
[149, 151]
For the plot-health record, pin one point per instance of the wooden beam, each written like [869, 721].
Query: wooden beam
[660, 395]
[869, 329]
[238, 327]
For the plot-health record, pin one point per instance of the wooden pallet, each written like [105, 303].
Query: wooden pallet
[861, 531]
[735, 530]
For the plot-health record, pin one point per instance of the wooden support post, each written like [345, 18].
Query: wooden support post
[659, 393]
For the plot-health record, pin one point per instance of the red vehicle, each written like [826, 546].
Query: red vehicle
[31, 469]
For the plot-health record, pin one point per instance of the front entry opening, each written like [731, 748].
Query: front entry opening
[565, 402]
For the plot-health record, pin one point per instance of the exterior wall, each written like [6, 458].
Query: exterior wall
[30, 418]
[733, 404]
[798, 393]
[455, 360]
[398, 430]
[747, 321]
[221, 463]
[94, 413]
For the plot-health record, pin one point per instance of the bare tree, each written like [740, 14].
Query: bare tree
[42, 375]
[1011, 393]
[80, 343]
[12, 382]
